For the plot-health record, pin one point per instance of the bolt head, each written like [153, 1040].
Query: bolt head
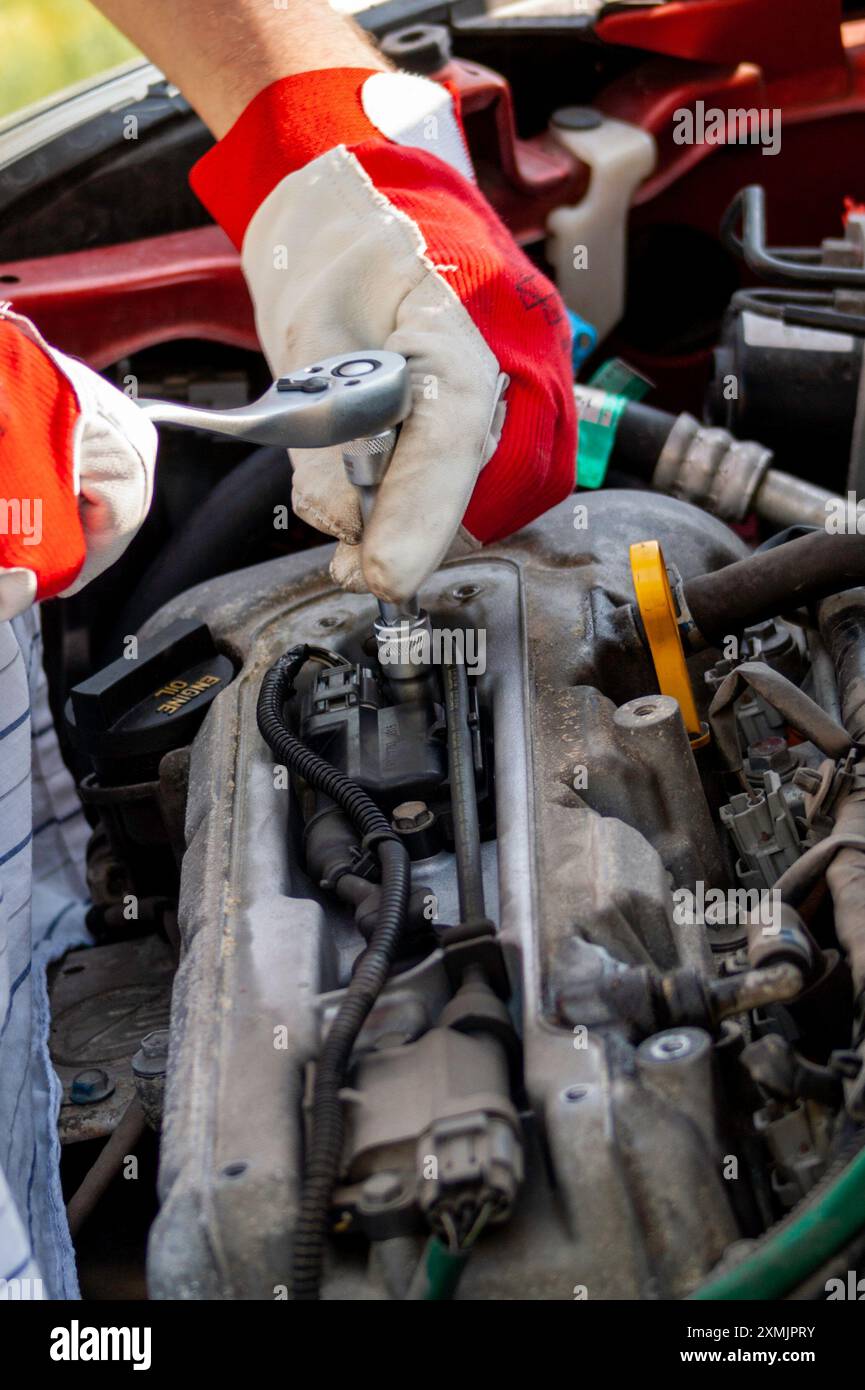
[411, 815]
[770, 755]
[90, 1086]
[155, 1044]
[151, 1059]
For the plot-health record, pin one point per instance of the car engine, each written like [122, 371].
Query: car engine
[600, 1005]
[513, 947]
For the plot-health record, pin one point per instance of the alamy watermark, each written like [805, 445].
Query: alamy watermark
[851, 1289]
[410, 645]
[21, 516]
[83, 1343]
[712, 125]
[720, 907]
[845, 516]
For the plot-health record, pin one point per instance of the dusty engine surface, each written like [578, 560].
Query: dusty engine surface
[507, 942]
[591, 1137]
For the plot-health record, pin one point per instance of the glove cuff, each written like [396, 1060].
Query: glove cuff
[39, 417]
[298, 118]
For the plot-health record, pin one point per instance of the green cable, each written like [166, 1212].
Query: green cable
[442, 1268]
[785, 1260]
[442, 1264]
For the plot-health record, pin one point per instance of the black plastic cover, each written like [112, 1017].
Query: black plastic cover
[134, 710]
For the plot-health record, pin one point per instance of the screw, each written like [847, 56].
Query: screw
[463, 592]
[90, 1086]
[770, 755]
[412, 815]
[155, 1044]
[151, 1059]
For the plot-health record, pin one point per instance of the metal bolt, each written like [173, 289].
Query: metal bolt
[770, 755]
[90, 1086]
[412, 815]
[155, 1044]
[151, 1059]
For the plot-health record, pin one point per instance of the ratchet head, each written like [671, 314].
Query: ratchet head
[333, 400]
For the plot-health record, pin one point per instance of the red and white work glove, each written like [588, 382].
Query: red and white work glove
[76, 469]
[352, 197]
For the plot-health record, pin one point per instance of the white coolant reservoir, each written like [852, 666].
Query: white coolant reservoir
[587, 244]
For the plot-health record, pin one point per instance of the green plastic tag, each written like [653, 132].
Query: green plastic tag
[619, 379]
[599, 420]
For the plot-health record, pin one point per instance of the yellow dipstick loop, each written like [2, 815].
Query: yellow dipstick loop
[658, 612]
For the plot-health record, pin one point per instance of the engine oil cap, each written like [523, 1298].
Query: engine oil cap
[136, 709]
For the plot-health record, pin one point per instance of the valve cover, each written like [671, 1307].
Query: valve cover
[622, 1195]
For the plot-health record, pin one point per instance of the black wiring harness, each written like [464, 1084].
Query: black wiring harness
[370, 973]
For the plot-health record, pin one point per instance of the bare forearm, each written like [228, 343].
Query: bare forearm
[221, 53]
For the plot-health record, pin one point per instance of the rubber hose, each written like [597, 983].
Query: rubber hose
[834, 1212]
[641, 434]
[369, 977]
[842, 627]
[797, 881]
[776, 581]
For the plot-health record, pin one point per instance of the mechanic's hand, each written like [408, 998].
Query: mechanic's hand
[352, 195]
[76, 469]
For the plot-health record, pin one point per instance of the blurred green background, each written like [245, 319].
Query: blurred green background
[49, 44]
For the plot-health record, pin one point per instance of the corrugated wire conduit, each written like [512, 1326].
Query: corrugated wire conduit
[369, 976]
